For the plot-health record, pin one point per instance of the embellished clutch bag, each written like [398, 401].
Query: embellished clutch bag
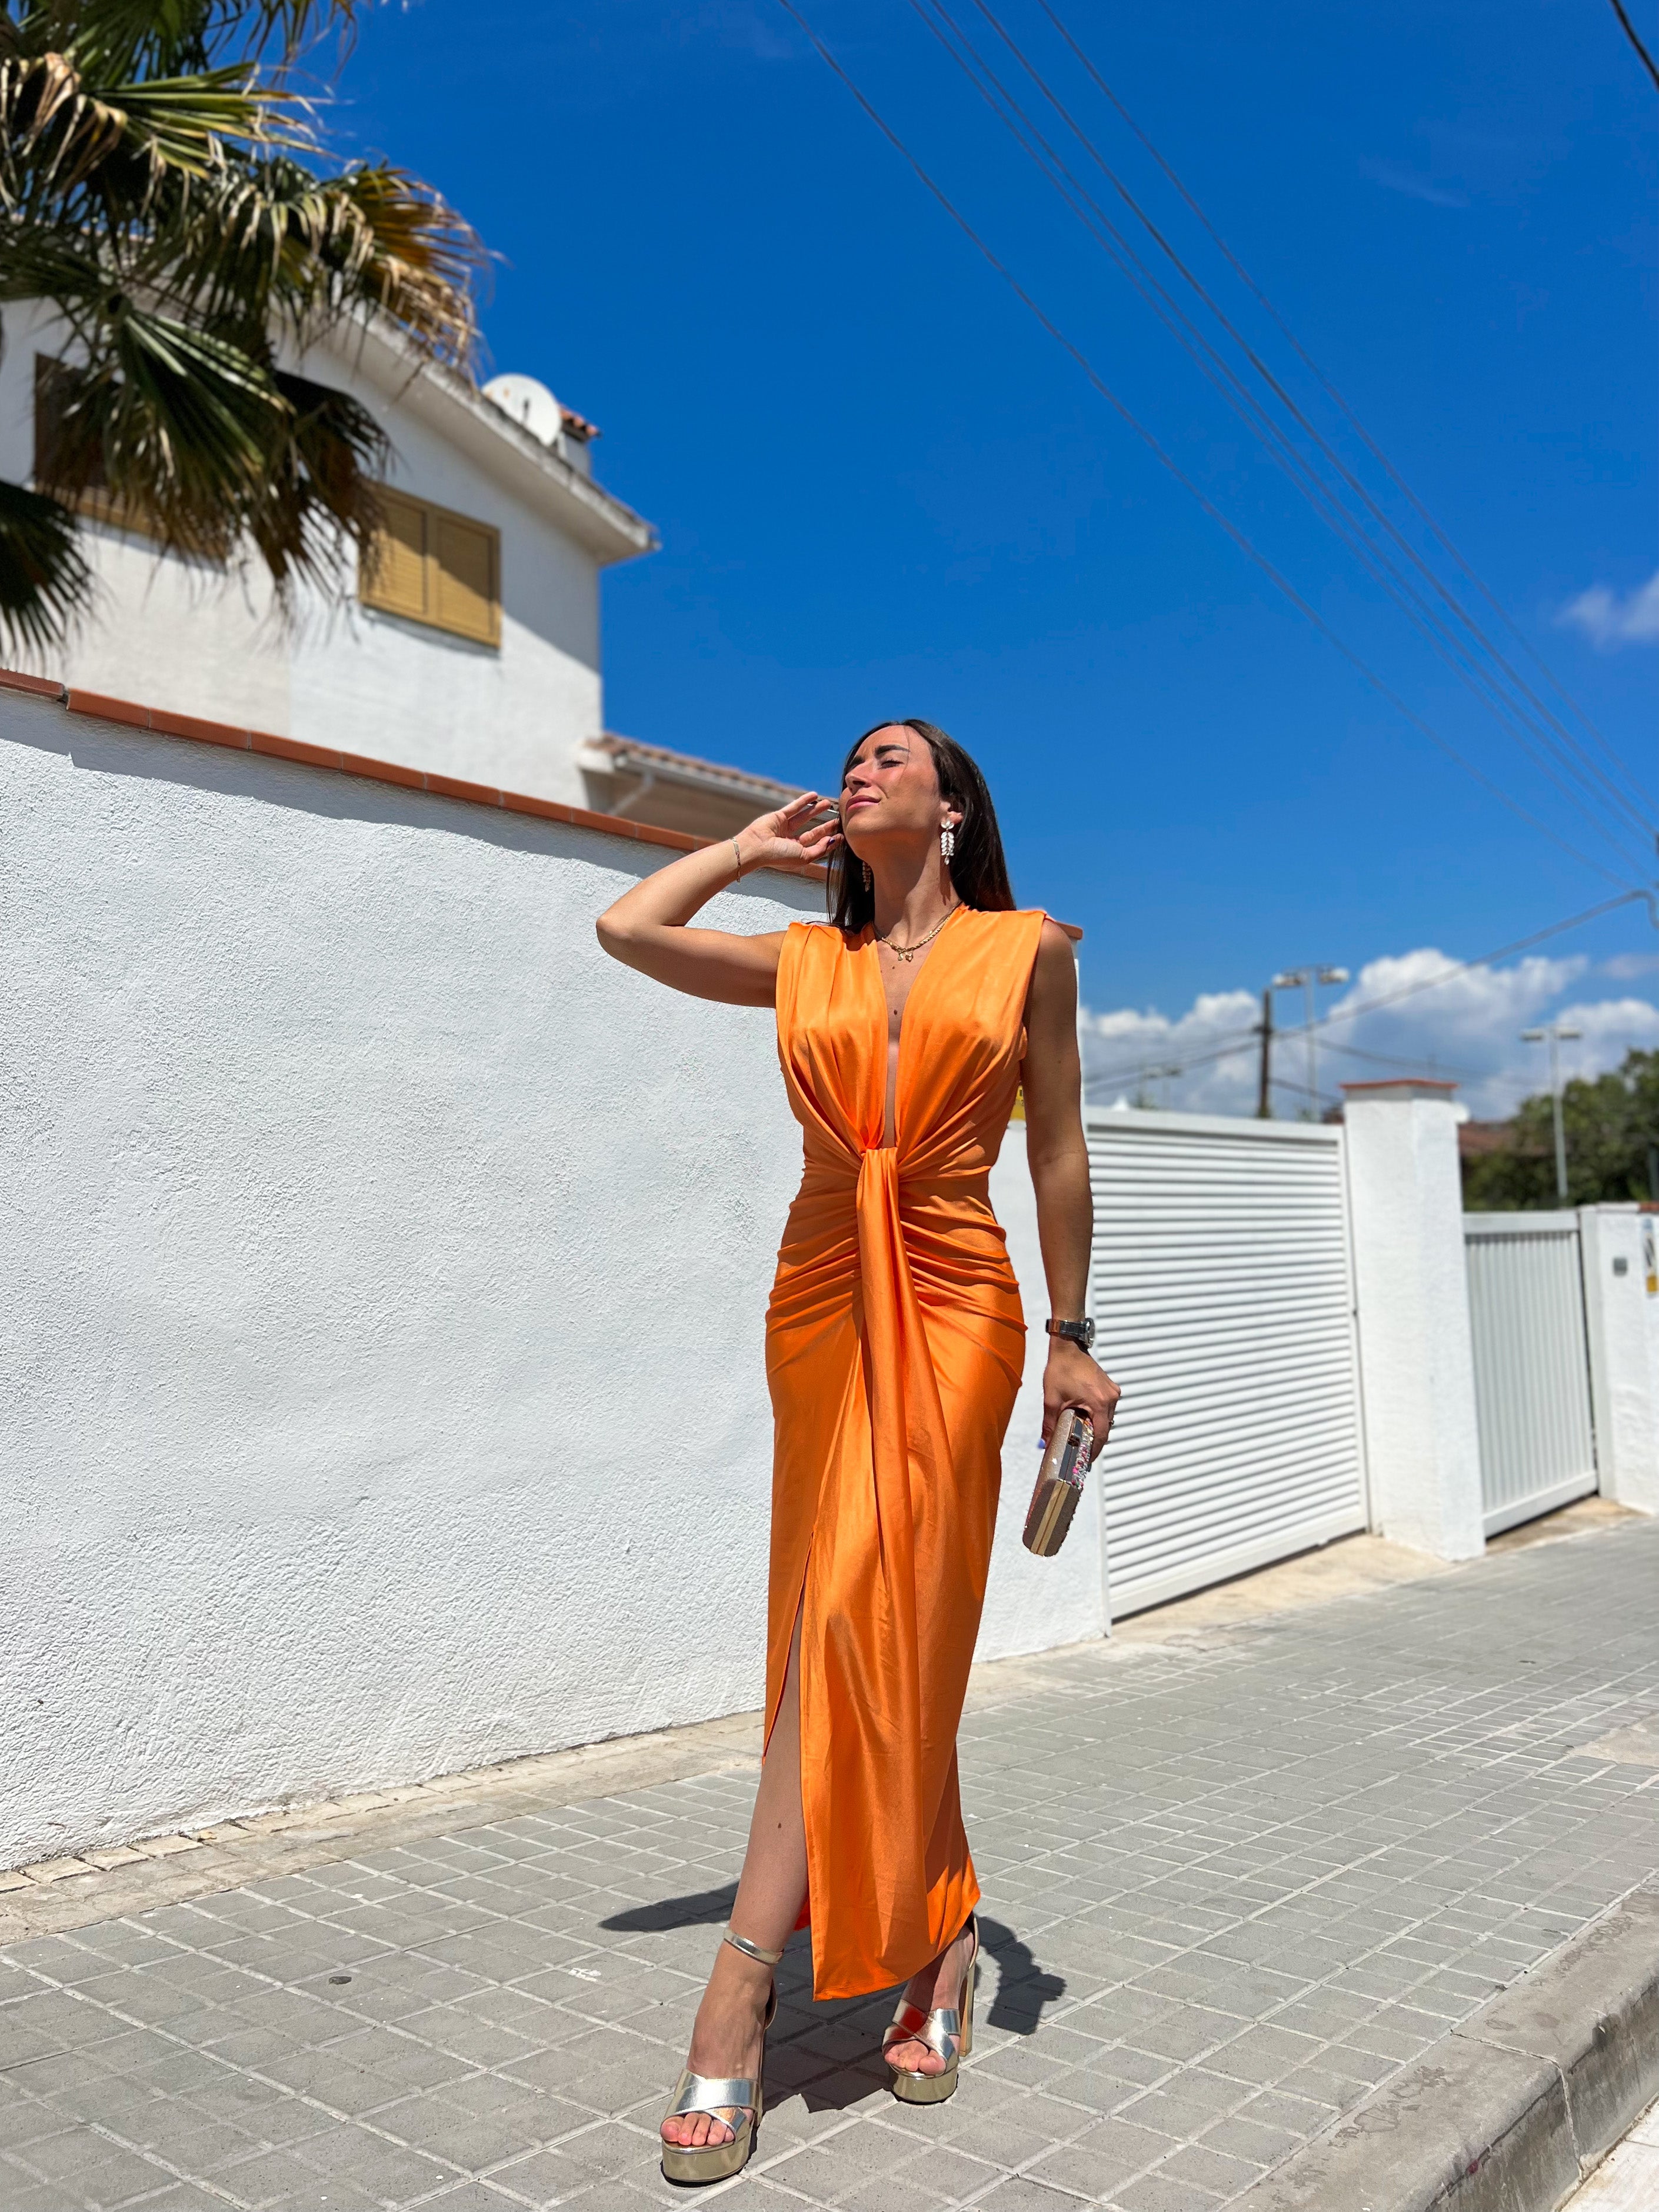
[1058, 1483]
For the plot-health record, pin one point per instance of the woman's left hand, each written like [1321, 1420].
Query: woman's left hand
[1072, 1378]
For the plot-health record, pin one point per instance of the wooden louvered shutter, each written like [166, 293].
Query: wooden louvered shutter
[396, 580]
[436, 568]
[462, 574]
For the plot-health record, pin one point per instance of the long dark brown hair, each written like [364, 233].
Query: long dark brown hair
[978, 873]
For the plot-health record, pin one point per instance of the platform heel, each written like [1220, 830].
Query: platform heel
[715, 2096]
[948, 2029]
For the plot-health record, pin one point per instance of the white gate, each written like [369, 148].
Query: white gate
[1532, 1386]
[1222, 1291]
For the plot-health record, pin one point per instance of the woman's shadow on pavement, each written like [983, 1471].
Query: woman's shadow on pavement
[843, 2036]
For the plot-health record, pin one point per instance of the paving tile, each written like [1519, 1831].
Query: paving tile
[1021, 2194]
[269, 2178]
[1101, 2157]
[1228, 1888]
[22, 2195]
[544, 2177]
[1163, 2192]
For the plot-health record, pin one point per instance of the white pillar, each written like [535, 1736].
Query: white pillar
[1416, 1350]
[1032, 1604]
[1619, 1308]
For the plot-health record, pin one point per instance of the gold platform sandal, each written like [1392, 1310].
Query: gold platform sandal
[713, 2094]
[940, 2029]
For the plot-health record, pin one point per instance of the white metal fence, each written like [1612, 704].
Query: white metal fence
[1532, 1383]
[1222, 1290]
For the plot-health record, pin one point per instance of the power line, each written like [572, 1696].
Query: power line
[1282, 583]
[1246, 1040]
[1353, 419]
[1533, 715]
[1630, 32]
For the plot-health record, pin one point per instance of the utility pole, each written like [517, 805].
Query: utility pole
[1556, 1036]
[1307, 980]
[1264, 1104]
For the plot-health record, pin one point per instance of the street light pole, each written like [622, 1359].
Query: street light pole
[1307, 980]
[1555, 1035]
[1264, 1105]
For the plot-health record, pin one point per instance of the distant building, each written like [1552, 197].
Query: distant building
[1479, 1140]
[472, 650]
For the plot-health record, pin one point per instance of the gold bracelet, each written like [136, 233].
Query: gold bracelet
[738, 849]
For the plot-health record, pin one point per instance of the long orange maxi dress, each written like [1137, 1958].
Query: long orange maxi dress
[895, 1347]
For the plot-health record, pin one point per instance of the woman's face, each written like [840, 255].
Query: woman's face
[890, 788]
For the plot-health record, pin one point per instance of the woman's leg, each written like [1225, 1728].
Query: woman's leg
[727, 2037]
[938, 1984]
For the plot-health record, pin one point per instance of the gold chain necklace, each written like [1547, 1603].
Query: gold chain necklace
[908, 953]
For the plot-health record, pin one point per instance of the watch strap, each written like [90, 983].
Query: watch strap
[1076, 1332]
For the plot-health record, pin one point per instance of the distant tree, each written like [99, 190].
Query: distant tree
[1611, 1125]
[162, 186]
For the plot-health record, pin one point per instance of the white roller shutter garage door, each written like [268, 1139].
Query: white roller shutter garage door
[1222, 1292]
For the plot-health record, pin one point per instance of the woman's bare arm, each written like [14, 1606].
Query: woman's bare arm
[646, 927]
[1059, 1158]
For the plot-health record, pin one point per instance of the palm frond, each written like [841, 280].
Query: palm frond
[167, 190]
[270, 238]
[164, 37]
[44, 580]
[169, 422]
[321, 487]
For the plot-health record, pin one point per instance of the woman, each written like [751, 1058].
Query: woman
[894, 1348]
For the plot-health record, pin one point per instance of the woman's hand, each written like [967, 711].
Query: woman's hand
[800, 835]
[1072, 1378]
[646, 927]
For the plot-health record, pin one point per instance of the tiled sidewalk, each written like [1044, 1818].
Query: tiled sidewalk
[1231, 1884]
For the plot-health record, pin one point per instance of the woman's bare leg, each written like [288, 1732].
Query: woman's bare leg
[727, 2037]
[939, 1983]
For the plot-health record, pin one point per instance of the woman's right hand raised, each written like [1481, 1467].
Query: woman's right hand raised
[801, 835]
[647, 927]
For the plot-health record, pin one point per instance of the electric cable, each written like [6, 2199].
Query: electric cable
[1350, 527]
[1629, 31]
[1247, 1039]
[1281, 583]
[1337, 399]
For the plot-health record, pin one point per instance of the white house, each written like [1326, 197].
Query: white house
[474, 652]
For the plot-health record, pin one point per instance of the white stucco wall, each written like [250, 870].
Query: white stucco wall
[1033, 1604]
[1416, 1348]
[383, 1273]
[1618, 1313]
[177, 634]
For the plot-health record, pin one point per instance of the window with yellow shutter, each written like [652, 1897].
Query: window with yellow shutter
[434, 567]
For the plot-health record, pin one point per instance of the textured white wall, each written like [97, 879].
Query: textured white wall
[1416, 1350]
[174, 634]
[1618, 1311]
[383, 1281]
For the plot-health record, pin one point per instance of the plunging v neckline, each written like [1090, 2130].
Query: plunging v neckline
[873, 944]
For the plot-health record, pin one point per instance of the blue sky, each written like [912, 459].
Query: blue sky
[883, 488]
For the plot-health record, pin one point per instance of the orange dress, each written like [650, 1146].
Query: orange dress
[894, 1346]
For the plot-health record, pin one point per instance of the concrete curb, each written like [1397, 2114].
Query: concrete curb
[1511, 2110]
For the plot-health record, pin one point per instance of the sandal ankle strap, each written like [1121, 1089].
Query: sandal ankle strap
[756, 1951]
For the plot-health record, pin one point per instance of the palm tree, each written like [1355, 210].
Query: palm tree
[164, 188]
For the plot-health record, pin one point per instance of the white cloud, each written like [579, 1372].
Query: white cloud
[1628, 966]
[1396, 179]
[1465, 1029]
[1608, 618]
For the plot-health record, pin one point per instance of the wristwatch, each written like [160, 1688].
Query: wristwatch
[1079, 1332]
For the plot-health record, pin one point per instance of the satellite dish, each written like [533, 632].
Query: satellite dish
[529, 403]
